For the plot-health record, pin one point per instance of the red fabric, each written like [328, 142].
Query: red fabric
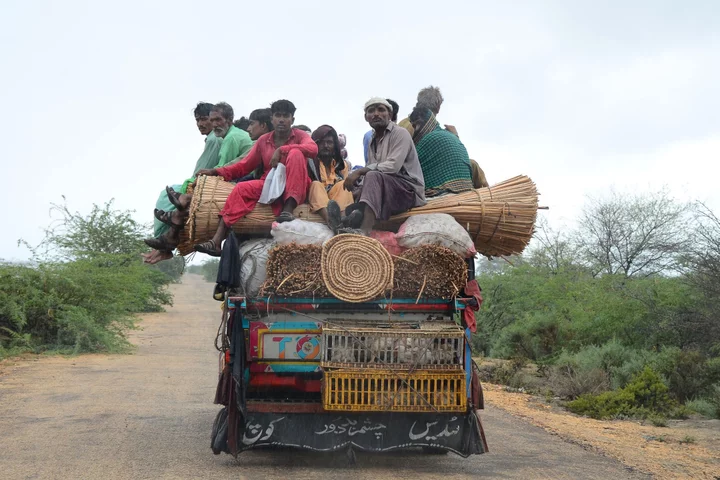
[297, 180]
[245, 195]
[389, 241]
[263, 151]
[472, 289]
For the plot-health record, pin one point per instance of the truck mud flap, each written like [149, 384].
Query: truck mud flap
[371, 432]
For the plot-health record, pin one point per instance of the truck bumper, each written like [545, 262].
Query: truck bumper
[371, 431]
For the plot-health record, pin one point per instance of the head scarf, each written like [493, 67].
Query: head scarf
[430, 124]
[321, 132]
[378, 101]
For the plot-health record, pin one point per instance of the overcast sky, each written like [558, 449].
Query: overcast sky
[579, 95]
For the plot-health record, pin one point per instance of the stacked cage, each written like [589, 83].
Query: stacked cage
[394, 369]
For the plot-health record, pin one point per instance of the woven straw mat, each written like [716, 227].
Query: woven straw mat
[356, 268]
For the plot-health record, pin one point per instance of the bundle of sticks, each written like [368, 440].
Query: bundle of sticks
[294, 271]
[429, 271]
[500, 219]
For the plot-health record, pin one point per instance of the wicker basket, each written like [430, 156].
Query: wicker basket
[389, 391]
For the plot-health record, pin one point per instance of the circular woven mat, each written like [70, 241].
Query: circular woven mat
[356, 268]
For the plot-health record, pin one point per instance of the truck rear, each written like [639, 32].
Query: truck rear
[328, 375]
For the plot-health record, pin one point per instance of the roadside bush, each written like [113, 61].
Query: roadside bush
[535, 337]
[194, 269]
[568, 382]
[500, 371]
[689, 374]
[594, 369]
[209, 269]
[645, 396]
[87, 283]
[705, 407]
[173, 268]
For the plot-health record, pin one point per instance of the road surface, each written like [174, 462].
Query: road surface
[148, 415]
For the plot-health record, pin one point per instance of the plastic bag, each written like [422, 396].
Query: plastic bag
[253, 261]
[274, 185]
[436, 229]
[300, 231]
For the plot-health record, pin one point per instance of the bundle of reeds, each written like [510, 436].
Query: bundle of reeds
[294, 271]
[500, 219]
[429, 271]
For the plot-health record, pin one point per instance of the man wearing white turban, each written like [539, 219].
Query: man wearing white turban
[392, 181]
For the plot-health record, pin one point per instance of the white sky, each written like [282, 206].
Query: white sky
[579, 95]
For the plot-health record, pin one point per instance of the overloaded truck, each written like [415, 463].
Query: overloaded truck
[345, 342]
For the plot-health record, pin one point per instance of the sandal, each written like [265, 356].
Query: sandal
[208, 248]
[166, 218]
[352, 207]
[174, 197]
[159, 243]
[354, 220]
[285, 217]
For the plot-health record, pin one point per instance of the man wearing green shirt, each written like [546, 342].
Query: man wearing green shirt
[209, 157]
[225, 144]
[236, 143]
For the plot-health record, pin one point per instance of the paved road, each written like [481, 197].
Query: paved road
[148, 415]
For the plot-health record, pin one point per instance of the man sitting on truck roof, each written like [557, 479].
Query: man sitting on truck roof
[431, 98]
[236, 143]
[444, 160]
[392, 180]
[209, 156]
[367, 138]
[283, 145]
[259, 123]
[327, 195]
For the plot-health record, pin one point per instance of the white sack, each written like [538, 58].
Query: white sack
[436, 229]
[300, 231]
[253, 265]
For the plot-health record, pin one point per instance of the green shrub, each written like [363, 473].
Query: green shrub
[570, 382]
[594, 369]
[689, 373]
[644, 396]
[658, 421]
[501, 372]
[173, 268]
[87, 283]
[534, 338]
[703, 406]
[209, 269]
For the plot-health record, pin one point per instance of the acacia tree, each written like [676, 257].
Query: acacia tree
[633, 235]
[554, 250]
[705, 255]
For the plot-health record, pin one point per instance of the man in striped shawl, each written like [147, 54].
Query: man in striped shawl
[444, 160]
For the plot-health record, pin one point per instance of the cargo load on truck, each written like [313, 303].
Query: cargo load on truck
[499, 219]
[346, 346]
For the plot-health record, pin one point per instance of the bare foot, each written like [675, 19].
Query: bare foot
[156, 256]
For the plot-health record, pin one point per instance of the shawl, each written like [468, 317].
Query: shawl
[444, 160]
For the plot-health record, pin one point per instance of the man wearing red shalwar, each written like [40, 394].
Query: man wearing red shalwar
[285, 145]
